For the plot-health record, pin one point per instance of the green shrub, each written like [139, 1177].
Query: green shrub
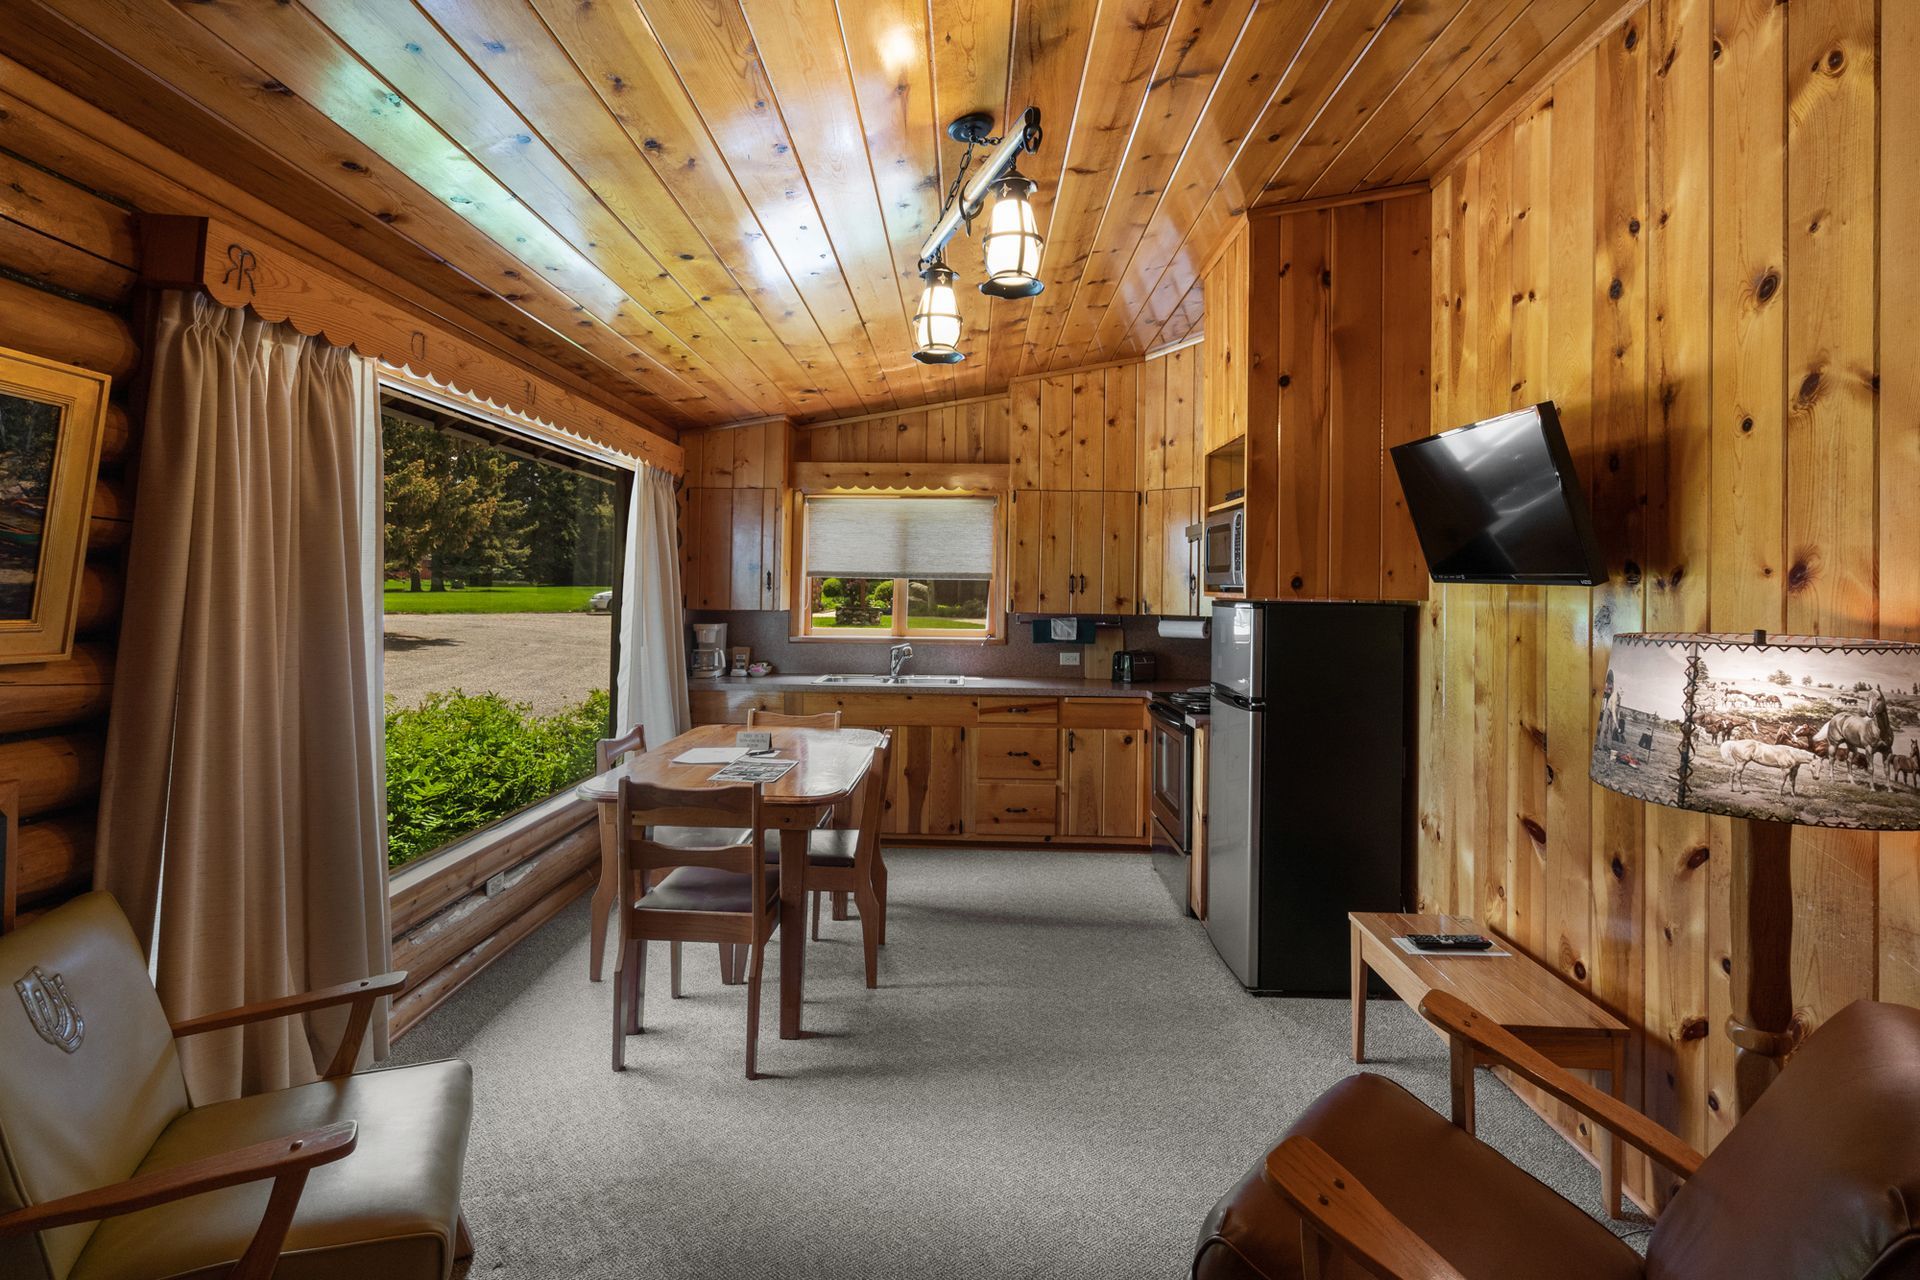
[459, 761]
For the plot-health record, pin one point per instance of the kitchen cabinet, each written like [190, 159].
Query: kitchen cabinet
[1103, 752]
[1074, 552]
[1169, 563]
[732, 557]
[930, 773]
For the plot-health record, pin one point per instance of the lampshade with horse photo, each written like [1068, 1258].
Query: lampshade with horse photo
[1811, 730]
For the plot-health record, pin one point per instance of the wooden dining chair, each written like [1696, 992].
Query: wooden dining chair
[723, 893]
[846, 861]
[606, 753]
[763, 719]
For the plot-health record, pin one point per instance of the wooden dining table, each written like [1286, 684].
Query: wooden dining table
[830, 765]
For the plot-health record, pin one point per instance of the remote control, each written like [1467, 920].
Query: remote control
[1449, 941]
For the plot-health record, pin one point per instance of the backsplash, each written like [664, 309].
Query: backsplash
[766, 633]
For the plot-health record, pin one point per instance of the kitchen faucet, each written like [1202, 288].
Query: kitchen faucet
[897, 658]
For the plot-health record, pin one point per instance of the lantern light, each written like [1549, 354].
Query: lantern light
[936, 321]
[1012, 241]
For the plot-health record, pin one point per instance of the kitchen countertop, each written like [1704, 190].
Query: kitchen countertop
[976, 686]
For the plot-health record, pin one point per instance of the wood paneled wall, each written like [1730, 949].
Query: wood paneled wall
[964, 431]
[1698, 242]
[67, 269]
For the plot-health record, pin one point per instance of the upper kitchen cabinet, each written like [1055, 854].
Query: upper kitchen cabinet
[1315, 366]
[734, 516]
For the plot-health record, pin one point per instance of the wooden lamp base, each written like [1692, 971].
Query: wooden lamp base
[1762, 1026]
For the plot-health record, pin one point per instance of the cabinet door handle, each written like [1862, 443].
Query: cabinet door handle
[1018, 711]
[1069, 741]
[1014, 809]
[1083, 582]
[1020, 754]
[769, 579]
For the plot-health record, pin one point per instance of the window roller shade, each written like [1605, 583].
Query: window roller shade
[927, 538]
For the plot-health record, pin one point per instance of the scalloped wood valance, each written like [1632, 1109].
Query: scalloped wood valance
[900, 477]
[239, 269]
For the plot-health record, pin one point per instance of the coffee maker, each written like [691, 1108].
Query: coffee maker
[709, 649]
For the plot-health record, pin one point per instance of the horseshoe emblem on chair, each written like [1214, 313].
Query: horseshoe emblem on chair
[51, 1009]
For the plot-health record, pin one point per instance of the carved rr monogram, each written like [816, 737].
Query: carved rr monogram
[240, 265]
[51, 1009]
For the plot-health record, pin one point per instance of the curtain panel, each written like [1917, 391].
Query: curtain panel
[653, 654]
[242, 821]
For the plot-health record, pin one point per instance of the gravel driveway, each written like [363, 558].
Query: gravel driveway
[551, 660]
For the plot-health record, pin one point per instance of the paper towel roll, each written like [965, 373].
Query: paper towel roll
[1184, 628]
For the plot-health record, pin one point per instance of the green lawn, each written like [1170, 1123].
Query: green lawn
[489, 599]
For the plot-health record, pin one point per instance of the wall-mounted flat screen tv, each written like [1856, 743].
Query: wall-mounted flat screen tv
[1499, 501]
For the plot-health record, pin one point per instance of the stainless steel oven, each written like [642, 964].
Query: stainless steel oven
[1224, 550]
[1172, 790]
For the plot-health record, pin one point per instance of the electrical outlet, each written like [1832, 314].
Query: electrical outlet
[1070, 658]
[495, 883]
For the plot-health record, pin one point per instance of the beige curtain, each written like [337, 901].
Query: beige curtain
[241, 816]
[653, 648]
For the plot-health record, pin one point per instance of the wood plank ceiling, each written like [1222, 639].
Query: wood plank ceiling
[710, 210]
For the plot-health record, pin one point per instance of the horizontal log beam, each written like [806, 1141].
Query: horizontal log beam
[56, 856]
[425, 994]
[56, 771]
[112, 522]
[102, 587]
[70, 214]
[58, 328]
[458, 929]
[59, 265]
[420, 892]
[49, 695]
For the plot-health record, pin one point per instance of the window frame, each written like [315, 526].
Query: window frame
[803, 630]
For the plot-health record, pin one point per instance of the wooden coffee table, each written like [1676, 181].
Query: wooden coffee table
[1516, 991]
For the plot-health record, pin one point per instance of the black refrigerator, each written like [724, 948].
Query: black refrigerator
[1309, 784]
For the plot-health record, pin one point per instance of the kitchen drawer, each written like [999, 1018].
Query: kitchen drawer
[1019, 710]
[887, 710]
[730, 705]
[1017, 752]
[1103, 713]
[1015, 808]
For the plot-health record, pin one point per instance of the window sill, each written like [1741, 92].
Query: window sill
[912, 637]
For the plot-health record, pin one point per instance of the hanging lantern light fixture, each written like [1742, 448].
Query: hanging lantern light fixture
[936, 321]
[1012, 242]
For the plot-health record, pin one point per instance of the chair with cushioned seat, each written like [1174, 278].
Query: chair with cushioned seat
[847, 861]
[723, 892]
[1820, 1179]
[109, 1172]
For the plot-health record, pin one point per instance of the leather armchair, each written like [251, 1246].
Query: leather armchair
[107, 1172]
[1820, 1179]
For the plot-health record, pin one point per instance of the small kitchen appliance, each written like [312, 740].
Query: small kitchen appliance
[709, 649]
[1135, 665]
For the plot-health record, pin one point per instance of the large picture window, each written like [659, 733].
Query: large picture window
[884, 567]
[499, 623]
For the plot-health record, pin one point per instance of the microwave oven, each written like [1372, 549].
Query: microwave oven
[1224, 550]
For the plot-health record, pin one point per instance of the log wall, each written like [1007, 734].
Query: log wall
[1697, 241]
[73, 183]
[68, 263]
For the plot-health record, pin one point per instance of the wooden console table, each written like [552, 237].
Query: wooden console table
[1514, 990]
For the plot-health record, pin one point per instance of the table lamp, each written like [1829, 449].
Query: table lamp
[1771, 731]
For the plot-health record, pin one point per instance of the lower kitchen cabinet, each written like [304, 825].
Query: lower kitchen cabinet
[1103, 752]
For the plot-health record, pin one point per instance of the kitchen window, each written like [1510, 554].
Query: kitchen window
[882, 567]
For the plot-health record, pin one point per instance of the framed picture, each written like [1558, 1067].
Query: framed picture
[52, 416]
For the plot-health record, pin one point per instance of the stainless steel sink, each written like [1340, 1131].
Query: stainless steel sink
[892, 682]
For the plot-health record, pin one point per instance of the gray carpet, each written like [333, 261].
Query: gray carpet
[1057, 1077]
